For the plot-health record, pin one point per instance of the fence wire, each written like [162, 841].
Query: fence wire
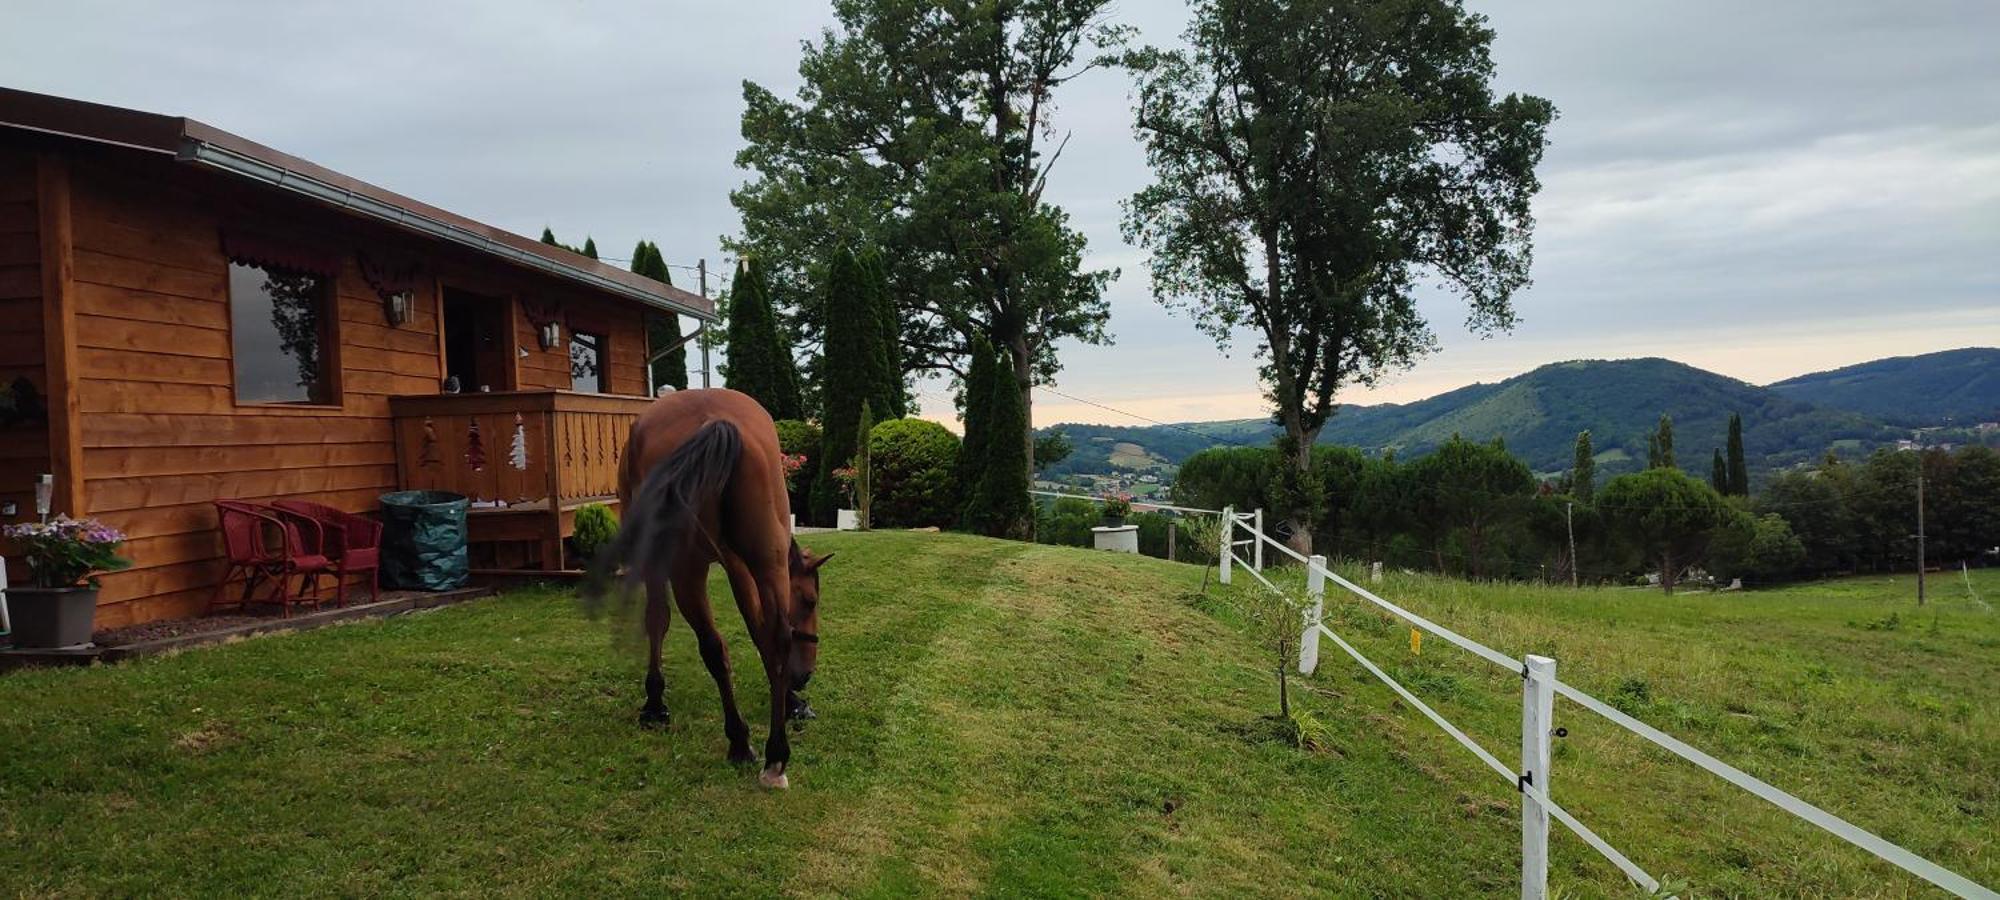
[1832, 824]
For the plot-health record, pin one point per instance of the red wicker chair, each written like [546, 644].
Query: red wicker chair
[260, 544]
[353, 544]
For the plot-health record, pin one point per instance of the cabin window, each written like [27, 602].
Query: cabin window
[280, 335]
[589, 371]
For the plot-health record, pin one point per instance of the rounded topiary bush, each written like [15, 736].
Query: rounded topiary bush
[596, 526]
[912, 463]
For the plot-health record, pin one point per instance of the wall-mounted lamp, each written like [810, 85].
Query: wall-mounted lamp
[396, 308]
[550, 334]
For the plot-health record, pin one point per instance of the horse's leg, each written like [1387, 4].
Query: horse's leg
[659, 614]
[691, 595]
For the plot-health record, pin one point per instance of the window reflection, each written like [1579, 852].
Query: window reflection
[586, 363]
[278, 333]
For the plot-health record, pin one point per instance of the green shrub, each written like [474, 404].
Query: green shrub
[1153, 528]
[1067, 522]
[913, 462]
[596, 526]
[800, 438]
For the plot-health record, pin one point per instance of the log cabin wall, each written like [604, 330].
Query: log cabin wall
[162, 431]
[24, 444]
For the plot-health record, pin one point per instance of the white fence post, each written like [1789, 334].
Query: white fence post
[1257, 546]
[1316, 593]
[1538, 700]
[1228, 537]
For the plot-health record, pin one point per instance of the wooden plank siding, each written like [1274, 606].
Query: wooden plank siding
[24, 447]
[162, 435]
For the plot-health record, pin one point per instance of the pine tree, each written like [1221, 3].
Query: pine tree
[978, 393]
[759, 363]
[549, 237]
[1739, 471]
[1665, 439]
[589, 247]
[662, 329]
[1583, 472]
[1000, 505]
[1718, 474]
[852, 364]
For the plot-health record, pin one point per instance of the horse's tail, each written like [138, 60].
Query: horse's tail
[662, 509]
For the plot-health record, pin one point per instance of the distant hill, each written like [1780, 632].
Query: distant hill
[1538, 415]
[1962, 386]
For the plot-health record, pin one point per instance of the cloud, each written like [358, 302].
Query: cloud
[1763, 189]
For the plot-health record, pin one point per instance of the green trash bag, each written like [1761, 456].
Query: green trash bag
[423, 541]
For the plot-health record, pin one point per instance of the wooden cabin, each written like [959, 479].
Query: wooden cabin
[188, 316]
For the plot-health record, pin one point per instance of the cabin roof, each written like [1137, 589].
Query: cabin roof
[199, 144]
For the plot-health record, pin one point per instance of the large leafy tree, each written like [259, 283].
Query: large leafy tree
[1469, 488]
[1314, 162]
[1665, 514]
[759, 362]
[924, 128]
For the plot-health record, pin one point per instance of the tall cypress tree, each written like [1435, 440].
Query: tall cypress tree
[1665, 440]
[662, 329]
[1000, 506]
[972, 451]
[1718, 474]
[1583, 472]
[759, 363]
[549, 237]
[1739, 470]
[589, 247]
[893, 398]
[851, 368]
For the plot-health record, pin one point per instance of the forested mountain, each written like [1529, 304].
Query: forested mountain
[1959, 386]
[1537, 415]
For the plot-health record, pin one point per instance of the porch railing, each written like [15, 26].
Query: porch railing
[551, 449]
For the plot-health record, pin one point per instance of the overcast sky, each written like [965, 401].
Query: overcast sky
[1760, 189]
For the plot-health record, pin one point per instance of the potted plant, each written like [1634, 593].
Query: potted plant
[847, 517]
[64, 554]
[1116, 508]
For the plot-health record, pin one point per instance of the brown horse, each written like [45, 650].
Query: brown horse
[702, 481]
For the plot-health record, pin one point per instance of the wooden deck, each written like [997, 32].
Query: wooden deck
[545, 454]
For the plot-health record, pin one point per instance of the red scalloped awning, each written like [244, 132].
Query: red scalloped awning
[252, 249]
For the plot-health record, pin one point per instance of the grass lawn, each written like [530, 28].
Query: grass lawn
[1008, 719]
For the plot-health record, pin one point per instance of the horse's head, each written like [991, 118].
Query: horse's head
[803, 615]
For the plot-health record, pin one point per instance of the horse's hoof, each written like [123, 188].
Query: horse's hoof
[654, 718]
[774, 779]
[801, 710]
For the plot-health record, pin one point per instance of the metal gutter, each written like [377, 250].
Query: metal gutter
[200, 152]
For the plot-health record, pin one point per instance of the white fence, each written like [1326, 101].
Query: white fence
[1539, 690]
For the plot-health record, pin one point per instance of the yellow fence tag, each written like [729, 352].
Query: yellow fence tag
[1416, 642]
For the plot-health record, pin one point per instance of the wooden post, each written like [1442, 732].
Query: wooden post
[701, 266]
[58, 260]
[1228, 536]
[1316, 593]
[1538, 698]
[1257, 544]
[552, 544]
[1173, 527]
